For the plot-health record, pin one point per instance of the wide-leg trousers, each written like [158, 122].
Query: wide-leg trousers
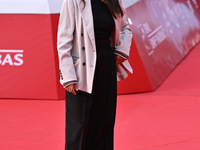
[90, 118]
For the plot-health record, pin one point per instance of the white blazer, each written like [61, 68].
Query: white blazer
[76, 44]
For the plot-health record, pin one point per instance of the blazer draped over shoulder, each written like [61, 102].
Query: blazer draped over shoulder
[76, 44]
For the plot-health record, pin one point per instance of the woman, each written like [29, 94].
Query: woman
[93, 46]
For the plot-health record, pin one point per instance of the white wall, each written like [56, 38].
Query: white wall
[38, 6]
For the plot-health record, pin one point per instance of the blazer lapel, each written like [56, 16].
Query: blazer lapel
[86, 13]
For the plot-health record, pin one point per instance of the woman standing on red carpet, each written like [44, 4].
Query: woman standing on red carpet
[93, 46]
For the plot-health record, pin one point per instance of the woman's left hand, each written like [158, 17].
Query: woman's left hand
[119, 59]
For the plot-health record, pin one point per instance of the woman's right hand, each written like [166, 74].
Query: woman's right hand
[72, 88]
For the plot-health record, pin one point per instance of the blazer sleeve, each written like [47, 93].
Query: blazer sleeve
[65, 37]
[125, 38]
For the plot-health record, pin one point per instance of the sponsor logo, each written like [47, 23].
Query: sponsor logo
[11, 57]
[151, 38]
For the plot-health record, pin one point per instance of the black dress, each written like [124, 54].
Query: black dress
[90, 118]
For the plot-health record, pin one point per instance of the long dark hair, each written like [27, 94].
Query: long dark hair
[114, 7]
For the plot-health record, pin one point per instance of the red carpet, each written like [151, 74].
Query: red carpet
[167, 119]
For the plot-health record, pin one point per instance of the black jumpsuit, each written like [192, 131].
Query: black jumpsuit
[90, 118]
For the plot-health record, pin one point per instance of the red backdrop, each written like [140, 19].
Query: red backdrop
[164, 32]
[37, 77]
